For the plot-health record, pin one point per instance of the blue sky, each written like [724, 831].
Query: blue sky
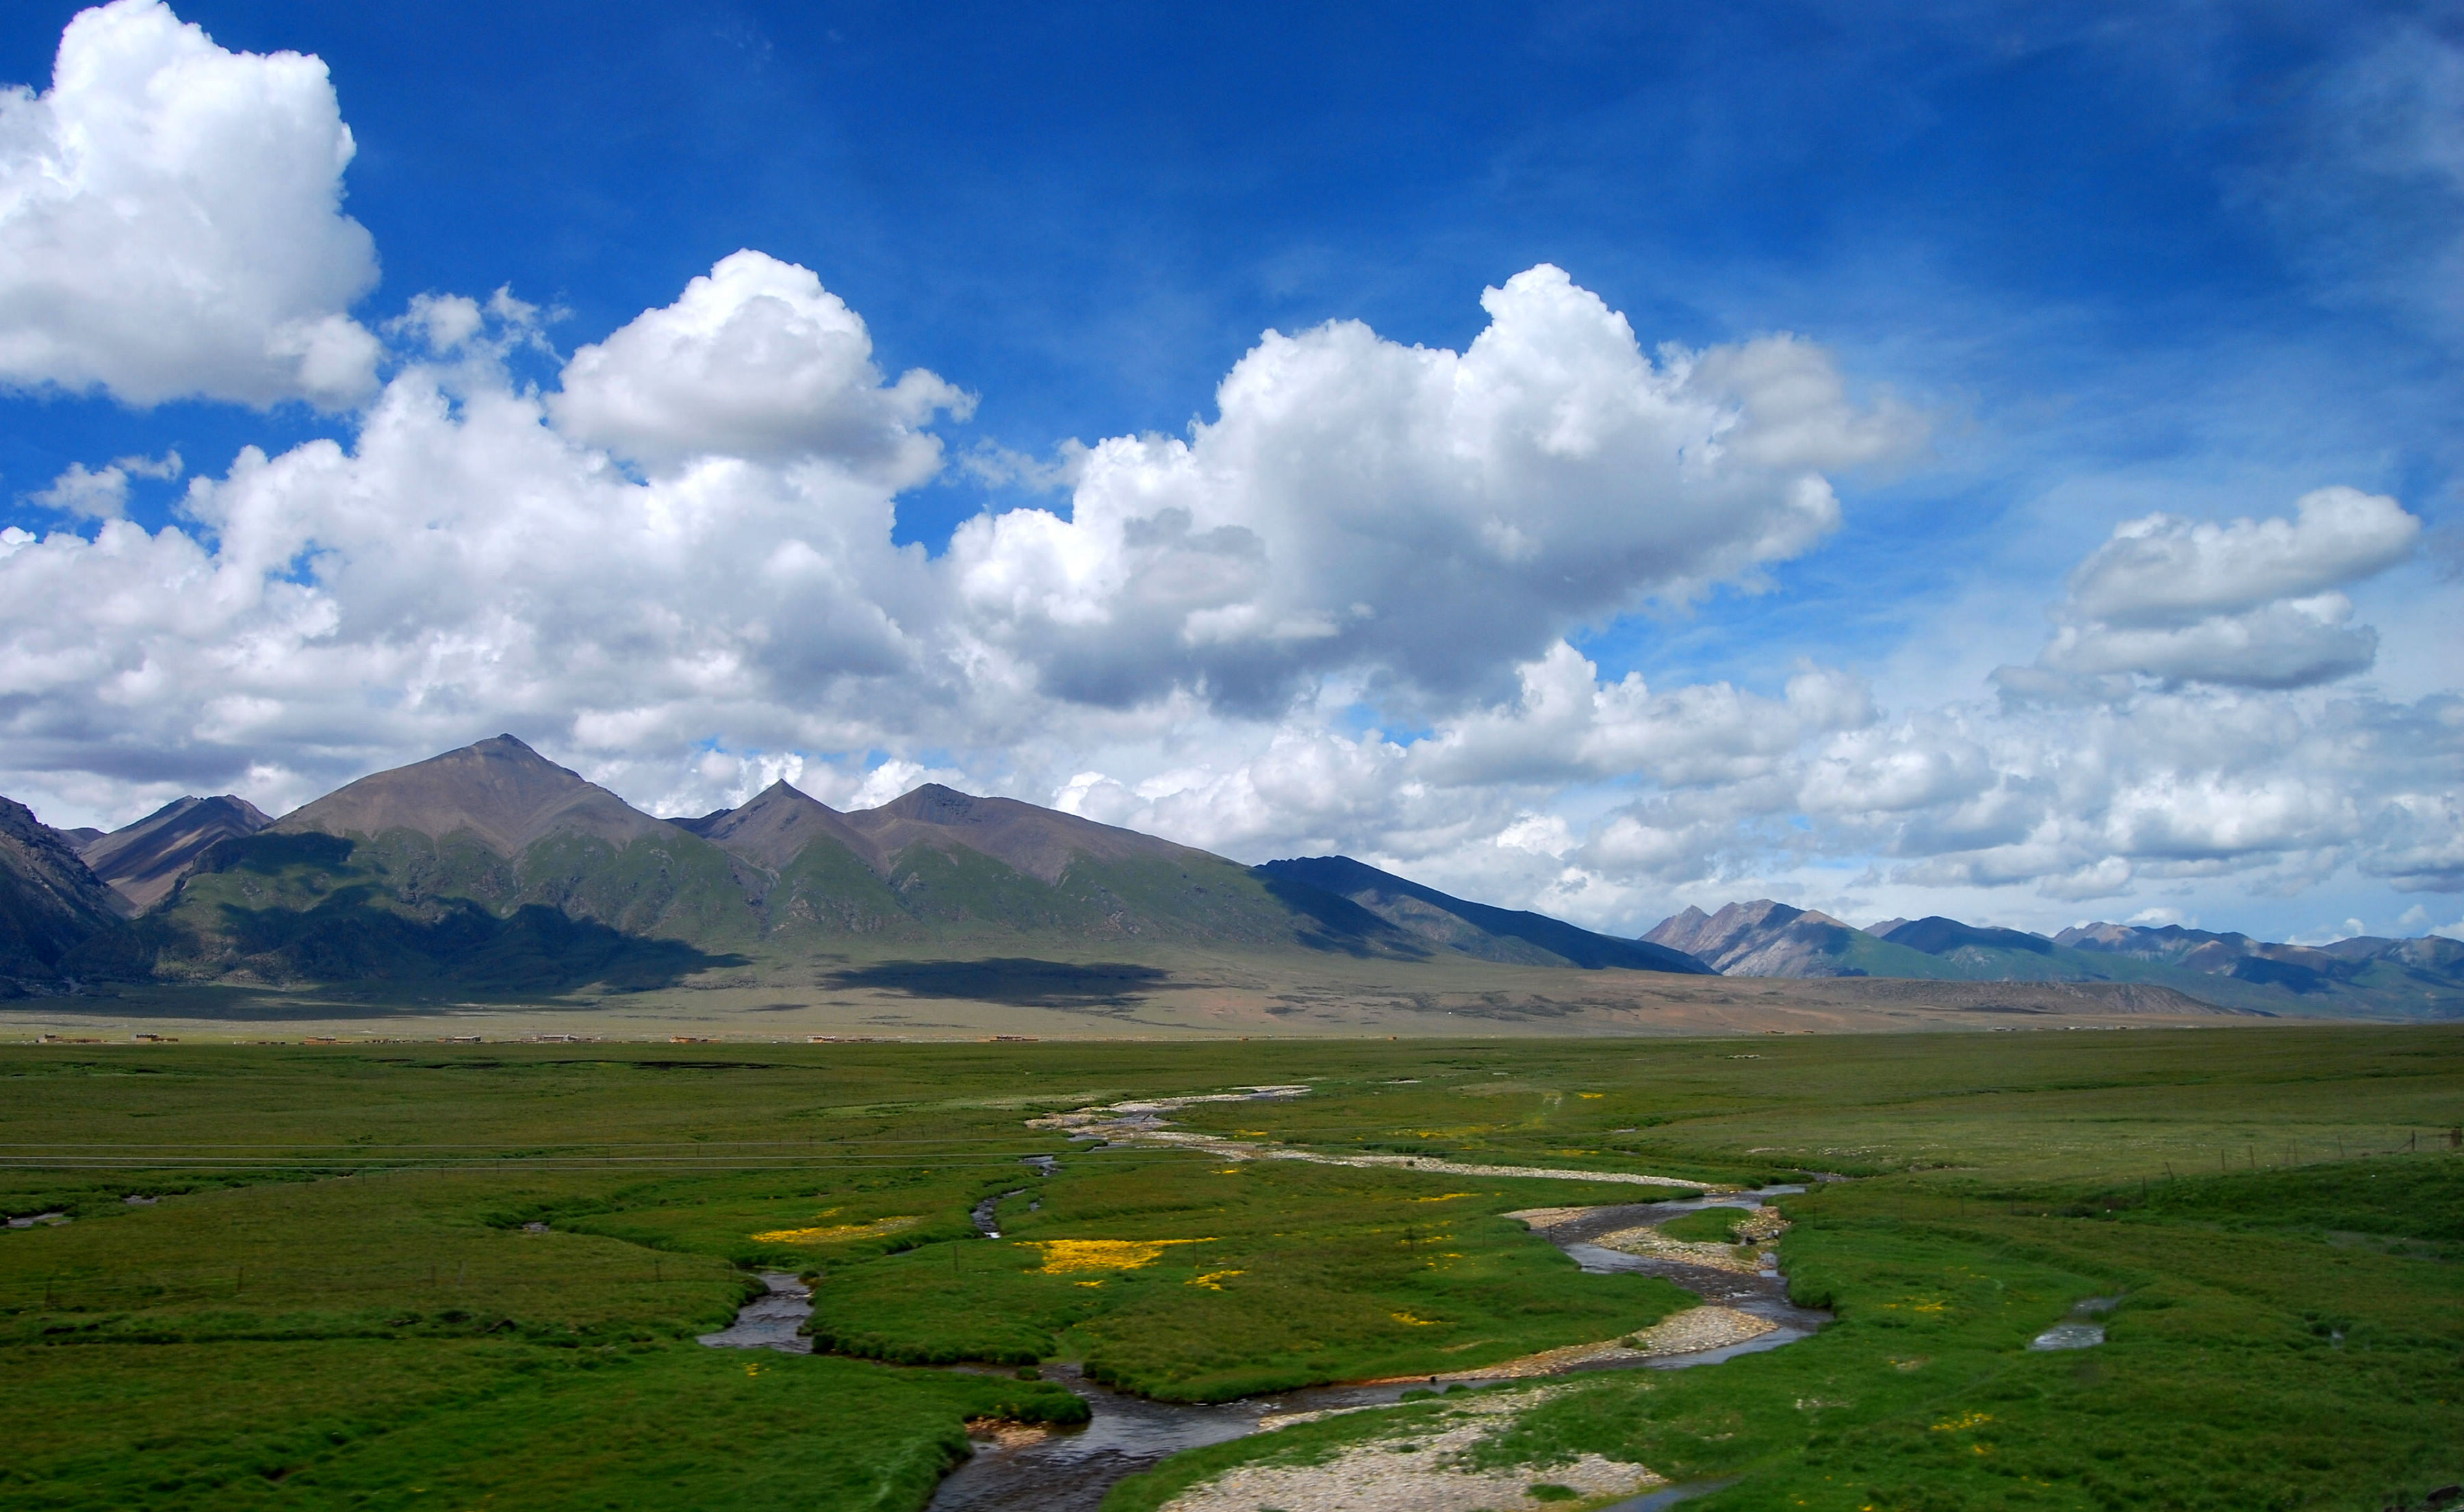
[2200, 260]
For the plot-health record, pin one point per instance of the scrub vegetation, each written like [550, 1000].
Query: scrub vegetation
[428, 1275]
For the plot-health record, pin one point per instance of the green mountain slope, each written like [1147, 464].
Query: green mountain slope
[947, 867]
[405, 910]
[489, 867]
[493, 869]
[49, 902]
[1476, 929]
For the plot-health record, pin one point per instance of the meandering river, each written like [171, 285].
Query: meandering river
[1069, 1470]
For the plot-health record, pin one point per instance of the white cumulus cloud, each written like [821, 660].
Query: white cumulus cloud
[1440, 516]
[756, 361]
[2250, 604]
[102, 492]
[171, 225]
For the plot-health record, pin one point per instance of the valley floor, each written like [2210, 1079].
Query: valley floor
[401, 1276]
[1125, 992]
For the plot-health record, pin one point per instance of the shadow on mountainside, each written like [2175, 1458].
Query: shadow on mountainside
[349, 940]
[1015, 981]
[1326, 922]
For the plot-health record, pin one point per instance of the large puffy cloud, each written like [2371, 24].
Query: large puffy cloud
[757, 360]
[170, 222]
[2162, 570]
[1566, 724]
[478, 556]
[2252, 603]
[460, 564]
[1437, 515]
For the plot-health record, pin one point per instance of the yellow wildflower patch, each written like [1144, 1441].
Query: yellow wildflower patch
[1069, 1255]
[1963, 1422]
[1590, 1094]
[1212, 1281]
[1449, 1197]
[1417, 1323]
[836, 1233]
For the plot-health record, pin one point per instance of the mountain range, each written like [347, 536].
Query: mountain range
[2420, 978]
[491, 869]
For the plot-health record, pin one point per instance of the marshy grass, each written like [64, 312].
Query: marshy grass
[337, 1300]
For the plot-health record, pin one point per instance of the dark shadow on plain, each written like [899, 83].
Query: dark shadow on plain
[1017, 981]
[216, 1004]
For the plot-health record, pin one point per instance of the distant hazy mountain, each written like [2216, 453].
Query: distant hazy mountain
[1476, 929]
[2422, 977]
[143, 862]
[1764, 938]
[49, 902]
[2429, 970]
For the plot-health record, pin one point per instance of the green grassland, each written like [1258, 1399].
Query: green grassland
[1709, 1226]
[1277, 1275]
[334, 1300]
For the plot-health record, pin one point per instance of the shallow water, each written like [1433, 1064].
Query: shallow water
[1667, 1496]
[1762, 1294]
[2078, 1333]
[770, 1321]
[1069, 1470]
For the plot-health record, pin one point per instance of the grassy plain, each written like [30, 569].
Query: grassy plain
[920, 991]
[334, 1301]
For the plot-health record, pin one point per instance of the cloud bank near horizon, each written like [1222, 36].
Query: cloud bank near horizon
[1342, 614]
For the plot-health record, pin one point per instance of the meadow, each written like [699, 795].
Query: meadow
[471, 1275]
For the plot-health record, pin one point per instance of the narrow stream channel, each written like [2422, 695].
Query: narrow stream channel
[1069, 1470]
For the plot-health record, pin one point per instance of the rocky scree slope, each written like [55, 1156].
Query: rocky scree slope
[144, 861]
